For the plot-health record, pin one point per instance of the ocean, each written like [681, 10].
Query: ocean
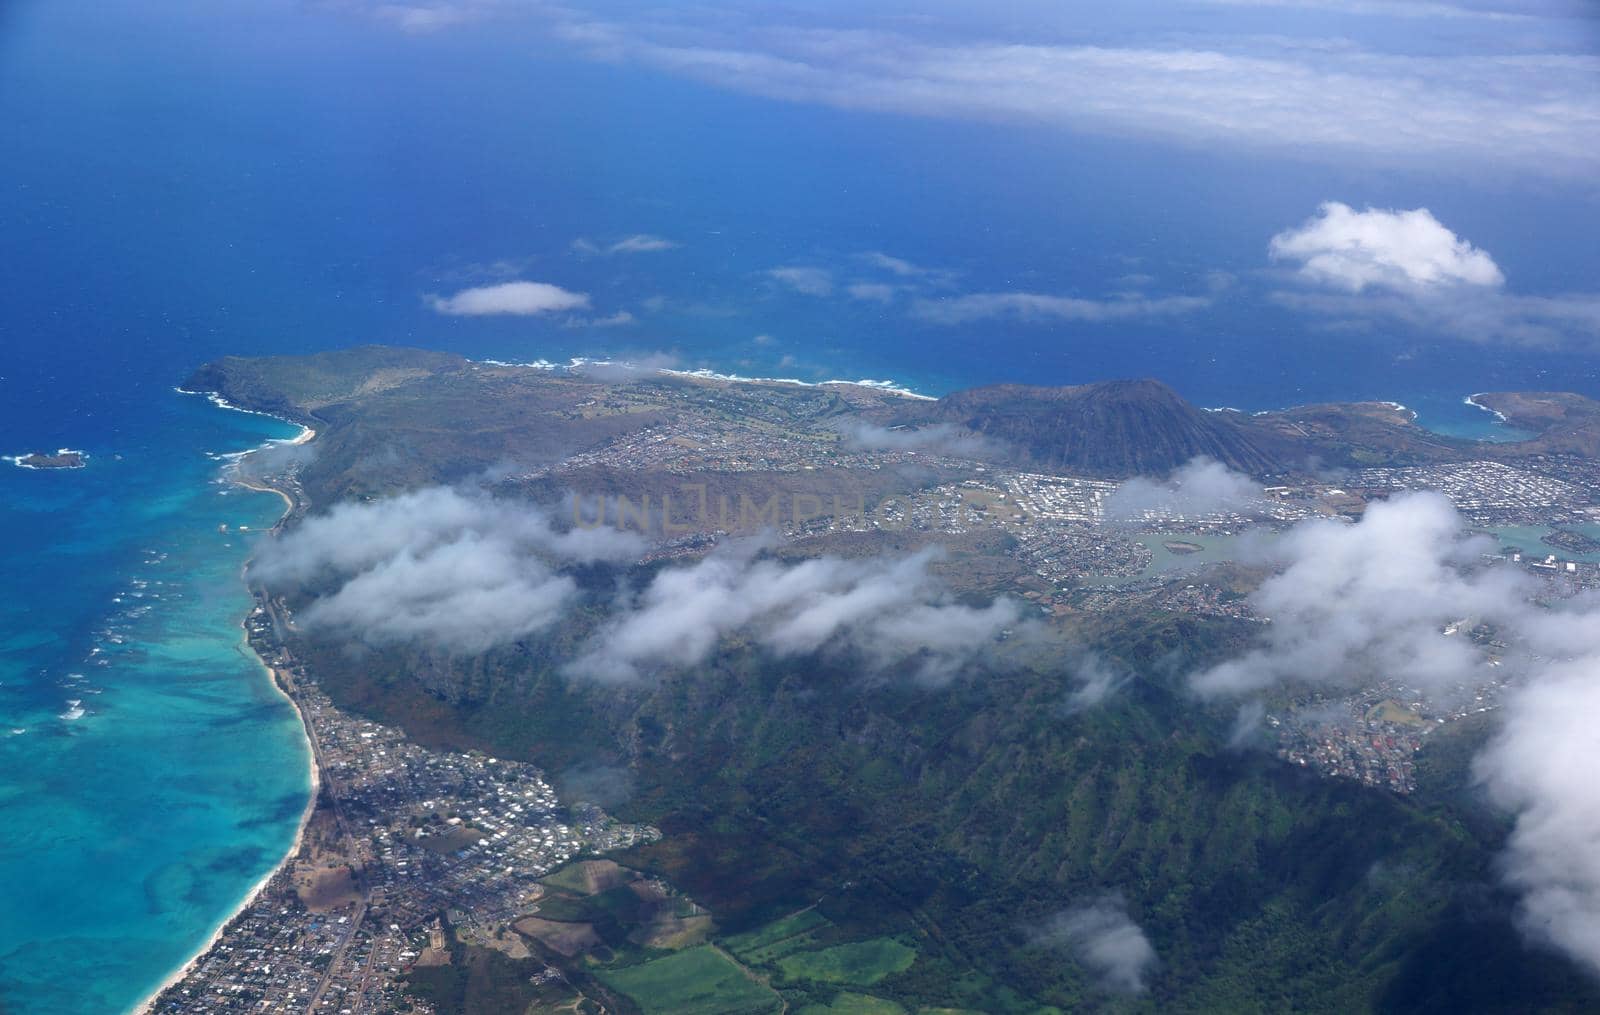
[151, 774]
[192, 179]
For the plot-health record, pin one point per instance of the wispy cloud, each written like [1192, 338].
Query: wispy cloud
[804, 280]
[517, 298]
[871, 292]
[639, 243]
[1041, 307]
[438, 567]
[1200, 488]
[1382, 8]
[1097, 679]
[890, 610]
[1106, 941]
[943, 438]
[1535, 111]
[620, 319]
[422, 19]
[897, 265]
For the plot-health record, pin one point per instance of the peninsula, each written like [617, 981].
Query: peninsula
[765, 829]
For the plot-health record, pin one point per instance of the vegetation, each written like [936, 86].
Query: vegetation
[861, 963]
[699, 981]
[959, 819]
[854, 1004]
[777, 938]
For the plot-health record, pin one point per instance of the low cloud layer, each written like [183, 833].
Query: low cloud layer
[465, 573]
[890, 610]
[1105, 941]
[516, 298]
[1392, 597]
[1374, 599]
[460, 572]
[1540, 766]
[940, 438]
[1376, 247]
[1096, 678]
[1200, 488]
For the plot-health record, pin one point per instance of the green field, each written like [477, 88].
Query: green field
[779, 938]
[569, 878]
[699, 981]
[854, 1004]
[860, 962]
[567, 908]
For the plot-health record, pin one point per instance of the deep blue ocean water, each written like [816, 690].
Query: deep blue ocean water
[188, 179]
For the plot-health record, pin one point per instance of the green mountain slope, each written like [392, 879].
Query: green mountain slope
[975, 812]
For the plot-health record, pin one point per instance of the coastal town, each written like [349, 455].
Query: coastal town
[403, 849]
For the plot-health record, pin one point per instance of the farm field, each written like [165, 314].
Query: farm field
[861, 963]
[699, 981]
[854, 1004]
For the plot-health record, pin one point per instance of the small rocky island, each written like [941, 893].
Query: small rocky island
[64, 458]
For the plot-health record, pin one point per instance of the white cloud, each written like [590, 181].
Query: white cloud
[1374, 268]
[1040, 307]
[521, 298]
[1472, 314]
[620, 319]
[1381, 8]
[871, 292]
[942, 438]
[436, 567]
[418, 19]
[807, 281]
[467, 595]
[1106, 941]
[1201, 487]
[1097, 680]
[1393, 249]
[1527, 111]
[1541, 765]
[891, 611]
[1358, 602]
[896, 265]
[639, 243]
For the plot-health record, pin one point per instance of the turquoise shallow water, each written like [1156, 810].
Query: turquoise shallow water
[152, 775]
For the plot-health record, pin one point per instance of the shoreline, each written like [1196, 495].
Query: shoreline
[314, 772]
[577, 363]
[21, 460]
[1472, 400]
